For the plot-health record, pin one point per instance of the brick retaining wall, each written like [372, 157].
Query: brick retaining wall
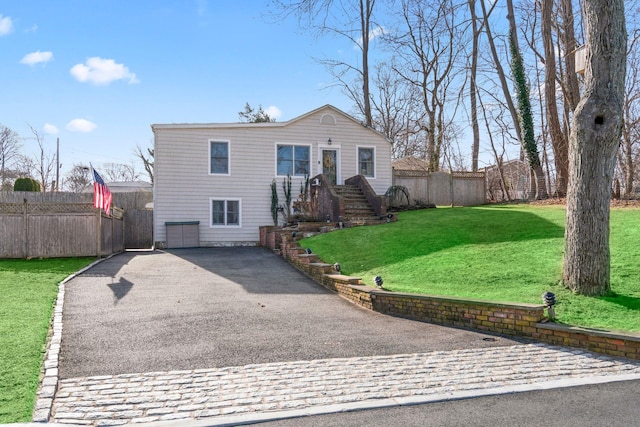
[520, 320]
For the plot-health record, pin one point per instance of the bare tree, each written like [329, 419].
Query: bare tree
[147, 159]
[473, 88]
[78, 178]
[44, 162]
[594, 140]
[9, 151]
[629, 151]
[521, 116]
[525, 115]
[118, 172]
[426, 52]
[350, 19]
[558, 137]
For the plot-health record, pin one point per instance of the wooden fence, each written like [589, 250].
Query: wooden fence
[58, 226]
[441, 188]
[49, 230]
[138, 228]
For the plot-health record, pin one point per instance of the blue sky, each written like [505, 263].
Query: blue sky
[97, 74]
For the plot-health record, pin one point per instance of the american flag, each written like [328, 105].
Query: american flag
[101, 194]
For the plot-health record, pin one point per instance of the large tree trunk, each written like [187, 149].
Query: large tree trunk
[594, 140]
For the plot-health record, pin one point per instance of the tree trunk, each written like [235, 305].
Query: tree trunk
[366, 10]
[594, 140]
[475, 147]
[558, 140]
[524, 106]
[568, 41]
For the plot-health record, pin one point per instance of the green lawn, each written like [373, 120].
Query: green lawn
[28, 289]
[505, 253]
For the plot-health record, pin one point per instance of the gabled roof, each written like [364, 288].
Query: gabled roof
[263, 124]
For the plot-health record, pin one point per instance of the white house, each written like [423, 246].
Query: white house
[212, 181]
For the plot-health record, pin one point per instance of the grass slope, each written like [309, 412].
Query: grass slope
[503, 253]
[28, 289]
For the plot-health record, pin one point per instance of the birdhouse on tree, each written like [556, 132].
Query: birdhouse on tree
[580, 59]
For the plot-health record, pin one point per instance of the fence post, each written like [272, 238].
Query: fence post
[25, 233]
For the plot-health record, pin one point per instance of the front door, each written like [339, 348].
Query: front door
[330, 165]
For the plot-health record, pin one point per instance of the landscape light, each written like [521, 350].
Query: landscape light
[378, 281]
[549, 299]
[337, 267]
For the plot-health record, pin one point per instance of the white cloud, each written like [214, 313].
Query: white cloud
[373, 34]
[101, 71]
[80, 125]
[273, 112]
[50, 129]
[6, 25]
[34, 58]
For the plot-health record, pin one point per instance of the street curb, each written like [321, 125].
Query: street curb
[235, 420]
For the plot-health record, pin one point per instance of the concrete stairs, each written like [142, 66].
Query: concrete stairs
[355, 206]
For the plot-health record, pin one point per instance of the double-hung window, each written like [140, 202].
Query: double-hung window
[225, 212]
[219, 157]
[294, 160]
[366, 161]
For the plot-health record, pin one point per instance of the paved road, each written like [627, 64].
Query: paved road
[233, 335]
[596, 405]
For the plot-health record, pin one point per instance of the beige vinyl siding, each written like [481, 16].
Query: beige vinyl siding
[183, 186]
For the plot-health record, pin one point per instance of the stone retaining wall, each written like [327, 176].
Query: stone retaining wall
[520, 320]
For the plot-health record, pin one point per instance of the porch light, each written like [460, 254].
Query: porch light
[378, 281]
[329, 141]
[549, 299]
[328, 218]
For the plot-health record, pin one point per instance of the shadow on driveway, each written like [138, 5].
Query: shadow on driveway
[214, 307]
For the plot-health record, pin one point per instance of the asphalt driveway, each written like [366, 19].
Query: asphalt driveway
[213, 307]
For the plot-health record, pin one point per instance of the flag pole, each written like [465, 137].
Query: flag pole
[99, 233]
[99, 230]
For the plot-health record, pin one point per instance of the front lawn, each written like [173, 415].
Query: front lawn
[504, 253]
[28, 290]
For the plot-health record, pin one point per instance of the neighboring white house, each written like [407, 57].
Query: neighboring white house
[214, 179]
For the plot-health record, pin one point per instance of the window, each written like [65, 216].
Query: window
[219, 157]
[294, 160]
[366, 162]
[225, 212]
